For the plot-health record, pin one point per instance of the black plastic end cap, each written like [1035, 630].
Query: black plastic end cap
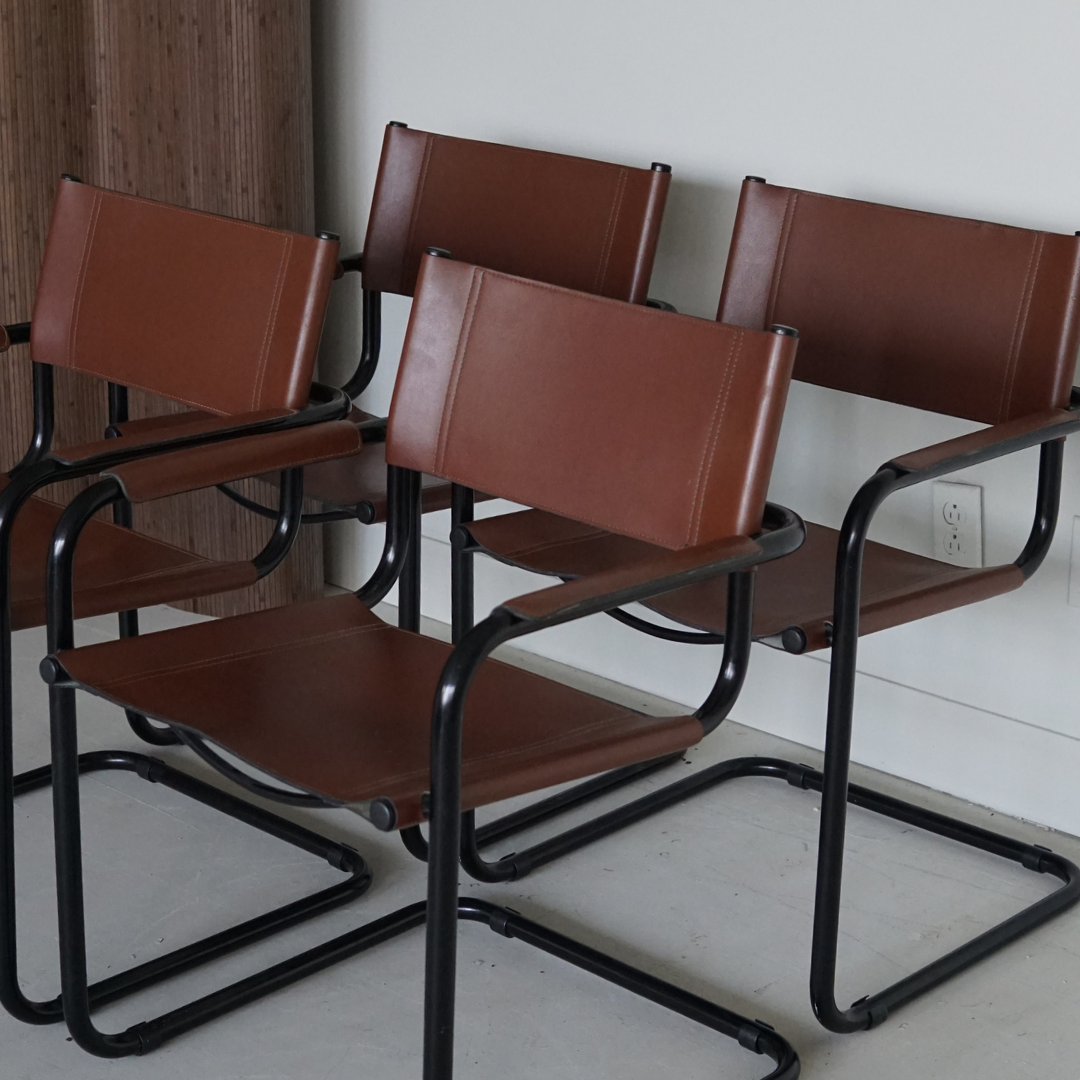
[438, 252]
[324, 235]
[52, 671]
[794, 640]
[755, 180]
[72, 177]
[784, 331]
[397, 123]
[383, 814]
[659, 166]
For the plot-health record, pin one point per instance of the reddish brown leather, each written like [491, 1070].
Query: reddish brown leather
[796, 591]
[677, 418]
[327, 697]
[218, 463]
[360, 480]
[655, 567]
[977, 441]
[941, 313]
[162, 428]
[220, 314]
[5, 341]
[570, 221]
[115, 569]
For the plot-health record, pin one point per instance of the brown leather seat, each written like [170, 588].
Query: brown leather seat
[329, 697]
[939, 313]
[117, 569]
[793, 597]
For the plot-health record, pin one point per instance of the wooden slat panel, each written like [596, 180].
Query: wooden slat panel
[202, 103]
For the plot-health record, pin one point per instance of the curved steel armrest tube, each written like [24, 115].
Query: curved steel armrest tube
[371, 339]
[782, 534]
[60, 592]
[738, 636]
[287, 526]
[44, 416]
[1047, 504]
[403, 498]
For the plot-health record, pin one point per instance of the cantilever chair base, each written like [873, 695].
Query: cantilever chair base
[339, 856]
[871, 1010]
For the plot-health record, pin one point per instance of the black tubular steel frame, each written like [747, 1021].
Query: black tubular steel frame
[443, 908]
[832, 781]
[36, 470]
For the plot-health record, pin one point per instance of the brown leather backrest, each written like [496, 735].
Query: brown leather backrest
[569, 221]
[641, 422]
[218, 313]
[937, 312]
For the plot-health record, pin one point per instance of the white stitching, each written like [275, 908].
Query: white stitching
[1019, 326]
[693, 531]
[84, 263]
[271, 323]
[459, 362]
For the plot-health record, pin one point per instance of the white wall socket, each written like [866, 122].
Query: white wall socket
[958, 535]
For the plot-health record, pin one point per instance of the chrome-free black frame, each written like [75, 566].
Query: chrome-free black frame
[38, 468]
[832, 781]
[443, 908]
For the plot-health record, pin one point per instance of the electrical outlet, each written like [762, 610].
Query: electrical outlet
[958, 523]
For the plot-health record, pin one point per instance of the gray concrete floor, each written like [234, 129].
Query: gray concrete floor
[715, 895]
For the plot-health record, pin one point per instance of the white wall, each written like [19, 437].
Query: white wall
[966, 107]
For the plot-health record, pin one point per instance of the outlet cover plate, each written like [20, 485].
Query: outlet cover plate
[958, 534]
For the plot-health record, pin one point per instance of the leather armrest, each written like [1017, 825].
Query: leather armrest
[218, 463]
[649, 577]
[162, 429]
[992, 442]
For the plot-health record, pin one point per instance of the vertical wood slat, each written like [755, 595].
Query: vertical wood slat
[202, 103]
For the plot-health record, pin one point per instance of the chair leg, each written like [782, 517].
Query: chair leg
[79, 998]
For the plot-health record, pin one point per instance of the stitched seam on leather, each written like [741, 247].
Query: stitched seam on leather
[621, 530]
[414, 215]
[635, 311]
[964, 222]
[271, 323]
[609, 233]
[547, 545]
[169, 208]
[152, 390]
[242, 654]
[564, 738]
[328, 455]
[781, 255]
[693, 526]
[1020, 326]
[84, 263]
[475, 285]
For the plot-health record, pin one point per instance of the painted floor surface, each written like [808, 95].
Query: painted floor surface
[715, 895]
